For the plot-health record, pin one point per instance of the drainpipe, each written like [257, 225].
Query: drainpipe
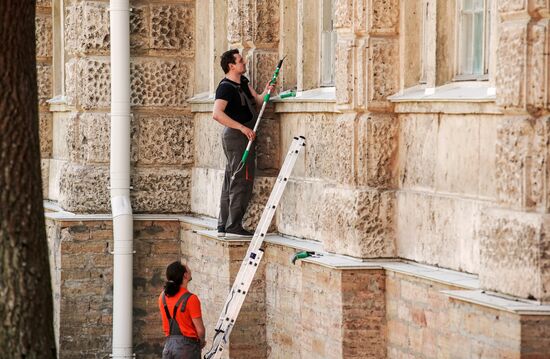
[120, 179]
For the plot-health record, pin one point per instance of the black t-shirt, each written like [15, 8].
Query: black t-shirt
[234, 109]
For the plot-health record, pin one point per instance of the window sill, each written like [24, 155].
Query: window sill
[321, 99]
[454, 92]
[454, 98]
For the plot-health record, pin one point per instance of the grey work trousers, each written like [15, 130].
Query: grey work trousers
[236, 193]
[180, 347]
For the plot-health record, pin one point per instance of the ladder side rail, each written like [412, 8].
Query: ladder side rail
[276, 194]
[267, 216]
[249, 266]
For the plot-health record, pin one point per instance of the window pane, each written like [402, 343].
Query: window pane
[328, 44]
[467, 5]
[478, 44]
[466, 56]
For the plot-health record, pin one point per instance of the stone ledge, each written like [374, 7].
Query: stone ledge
[342, 262]
[312, 101]
[514, 305]
[334, 261]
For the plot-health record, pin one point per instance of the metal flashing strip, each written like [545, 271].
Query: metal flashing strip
[515, 305]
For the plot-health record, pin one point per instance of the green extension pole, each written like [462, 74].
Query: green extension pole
[266, 100]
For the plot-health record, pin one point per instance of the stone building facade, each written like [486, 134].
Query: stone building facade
[424, 182]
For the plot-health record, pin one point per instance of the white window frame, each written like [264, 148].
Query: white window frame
[485, 45]
[327, 41]
[58, 59]
[424, 46]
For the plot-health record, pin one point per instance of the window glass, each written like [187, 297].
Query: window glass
[328, 44]
[474, 25]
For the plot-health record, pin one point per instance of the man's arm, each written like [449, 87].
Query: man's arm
[201, 332]
[260, 98]
[221, 117]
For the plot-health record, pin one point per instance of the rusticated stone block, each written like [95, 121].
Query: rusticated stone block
[261, 192]
[263, 66]
[358, 223]
[344, 72]
[234, 22]
[43, 31]
[94, 137]
[376, 150]
[417, 150]
[361, 16]
[87, 28]
[515, 254]
[507, 6]
[325, 159]
[71, 81]
[521, 157]
[445, 229]
[45, 175]
[299, 209]
[84, 189]
[45, 132]
[266, 22]
[384, 17]
[161, 190]
[164, 140]
[511, 57]
[343, 13]
[268, 145]
[139, 27]
[208, 151]
[93, 83]
[172, 27]
[160, 83]
[383, 71]
[44, 79]
[538, 97]
[153, 82]
[247, 16]
[65, 144]
[206, 191]
[44, 3]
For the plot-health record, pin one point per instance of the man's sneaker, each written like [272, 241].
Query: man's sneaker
[221, 232]
[241, 232]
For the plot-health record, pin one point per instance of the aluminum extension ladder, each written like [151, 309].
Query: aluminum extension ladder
[249, 266]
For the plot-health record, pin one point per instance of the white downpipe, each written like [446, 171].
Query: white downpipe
[120, 179]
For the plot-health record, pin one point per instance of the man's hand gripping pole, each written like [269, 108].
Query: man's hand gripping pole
[266, 100]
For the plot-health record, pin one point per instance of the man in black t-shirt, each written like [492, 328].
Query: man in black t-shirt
[235, 108]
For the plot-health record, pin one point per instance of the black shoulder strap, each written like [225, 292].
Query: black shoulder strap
[245, 100]
[185, 297]
[165, 306]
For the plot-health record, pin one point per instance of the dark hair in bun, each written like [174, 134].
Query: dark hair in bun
[174, 278]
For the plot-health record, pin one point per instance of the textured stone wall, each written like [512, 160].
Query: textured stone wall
[331, 196]
[162, 72]
[513, 237]
[44, 69]
[306, 302]
[215, 265]
[83, 284]
[424, 323]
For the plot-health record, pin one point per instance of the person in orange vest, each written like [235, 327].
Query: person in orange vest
[181, 315]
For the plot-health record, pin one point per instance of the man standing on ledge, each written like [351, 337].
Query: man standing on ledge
[235, 108]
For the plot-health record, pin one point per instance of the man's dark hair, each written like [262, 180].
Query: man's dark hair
[227, 58]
